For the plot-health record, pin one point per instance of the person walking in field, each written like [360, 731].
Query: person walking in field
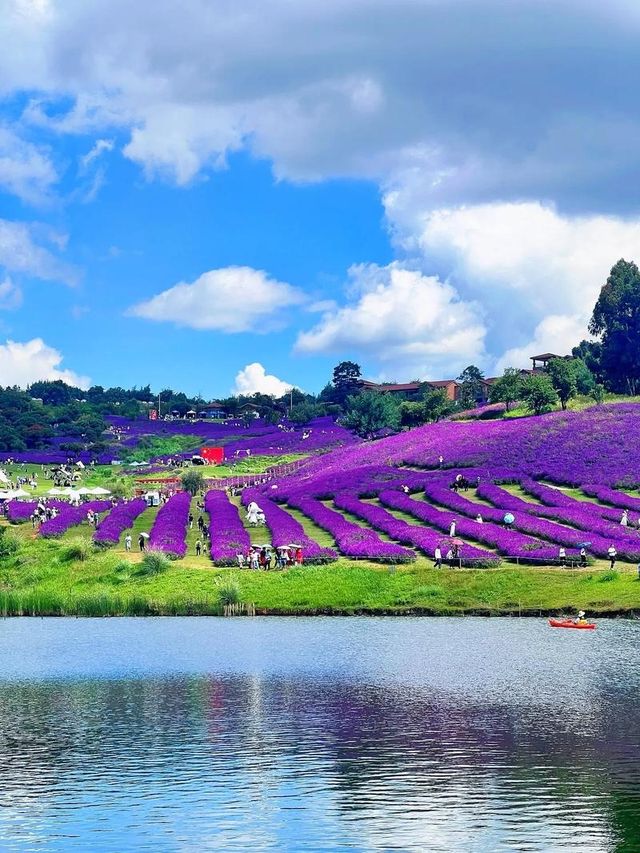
[624, 520]
[438, 558]
[613, 555]
[142, 543]
[127, 542]
[562, 556]
[198, 547]
[583, 558]
[452, 528]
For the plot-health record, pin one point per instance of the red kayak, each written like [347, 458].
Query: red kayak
[569, 623]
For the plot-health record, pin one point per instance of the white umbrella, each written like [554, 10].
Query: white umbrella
[85, 491]
[55, 491]
[21, 494]
[79, 464]
[145, 535]
[5, 495]
[98, 491]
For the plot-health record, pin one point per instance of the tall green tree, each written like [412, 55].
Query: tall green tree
[436, 405]
[346, 381]
[563, 379]
[370, 412]
[507, 388]
[192, 481]
[616, 318]
[471, 382]
[538, 393]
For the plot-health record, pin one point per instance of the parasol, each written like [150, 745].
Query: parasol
[583, 544]
[509, 518]
[145, 535]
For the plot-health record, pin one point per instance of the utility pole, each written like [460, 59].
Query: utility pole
[158, 406]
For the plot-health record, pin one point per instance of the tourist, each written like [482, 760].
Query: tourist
[479, 518]
[190, 521]
[441, 460]
[127, 542]
[624, 520]
[405, 489]
[562, 556]
[449, 557]
[299, 556]
[142, 542]
[452, 528]
[580, 620]
[612, 554]
[240, 559]
[438, 558]
[198, 547]
[583, 558]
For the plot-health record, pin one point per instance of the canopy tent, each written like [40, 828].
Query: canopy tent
[85, 491]
[3, 477]
[20, 493]
[55, 491]
[98, 490]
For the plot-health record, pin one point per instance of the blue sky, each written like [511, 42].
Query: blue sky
[202, 196]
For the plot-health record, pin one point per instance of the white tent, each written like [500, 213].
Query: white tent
[55, 491]
[21, 494]
[85, 491]
[5, 495]
[79, 464]
[97, 491]
[3, 477]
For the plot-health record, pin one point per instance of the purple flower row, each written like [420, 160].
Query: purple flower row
[286, 530]
[424, 538]
[70, 516]
[352, 540]
[120, 518]
[509, 543]
[612, 496]
[228, 535]
[600, 533]
[169, 530]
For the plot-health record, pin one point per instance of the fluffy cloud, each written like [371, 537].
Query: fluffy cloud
[536, 272]
[26, 170]
[254, 379]
[21, 251]
[231, 299]
[24, 363]
[410, 324]
[472, 96]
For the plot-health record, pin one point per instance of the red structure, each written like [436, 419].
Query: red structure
[213, 455]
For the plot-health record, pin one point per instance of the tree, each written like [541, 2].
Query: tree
[585, 380]
[346, 381]
[436, 404]
[616, 318]
[370, 412]
[538, 393]
[305, 412]
[563, 379]
[192, 482]
[471, 387]
[412, 414]
[591, 354]
[507, 388]
[56, 393]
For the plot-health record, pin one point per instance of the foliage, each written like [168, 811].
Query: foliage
[597, 393]
[79, 549]
[538, 393]
[370, 412]
[9, 545]
[228, 590]
[471, 387]
[192, 481]
[563, 379]
[616, 318]
[345, 382]
[436, 405]
[304, 412]
[507, 388]
[154, 563]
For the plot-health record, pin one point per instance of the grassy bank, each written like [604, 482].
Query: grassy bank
[48, 578]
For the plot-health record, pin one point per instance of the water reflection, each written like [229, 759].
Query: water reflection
[332, 758]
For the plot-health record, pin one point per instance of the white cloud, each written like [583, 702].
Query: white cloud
[231, 299]
[24, 363]
[100, 147]
[26, 170]
[556, 333]
[10, 295]
[21, 252]
[410, 324]
[536, 272]
[254, 379]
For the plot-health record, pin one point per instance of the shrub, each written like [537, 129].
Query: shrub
[78, 549]
[610, 575]
[228, 591]
[9, 545]
[154, 563]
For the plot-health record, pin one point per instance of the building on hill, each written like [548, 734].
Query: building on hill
[411, 390]
[544, 360]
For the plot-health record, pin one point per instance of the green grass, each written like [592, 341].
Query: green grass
[46, 578]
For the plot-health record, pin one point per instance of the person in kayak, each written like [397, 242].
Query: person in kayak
[580, 620]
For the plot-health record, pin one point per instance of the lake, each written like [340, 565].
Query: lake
[315, 734]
